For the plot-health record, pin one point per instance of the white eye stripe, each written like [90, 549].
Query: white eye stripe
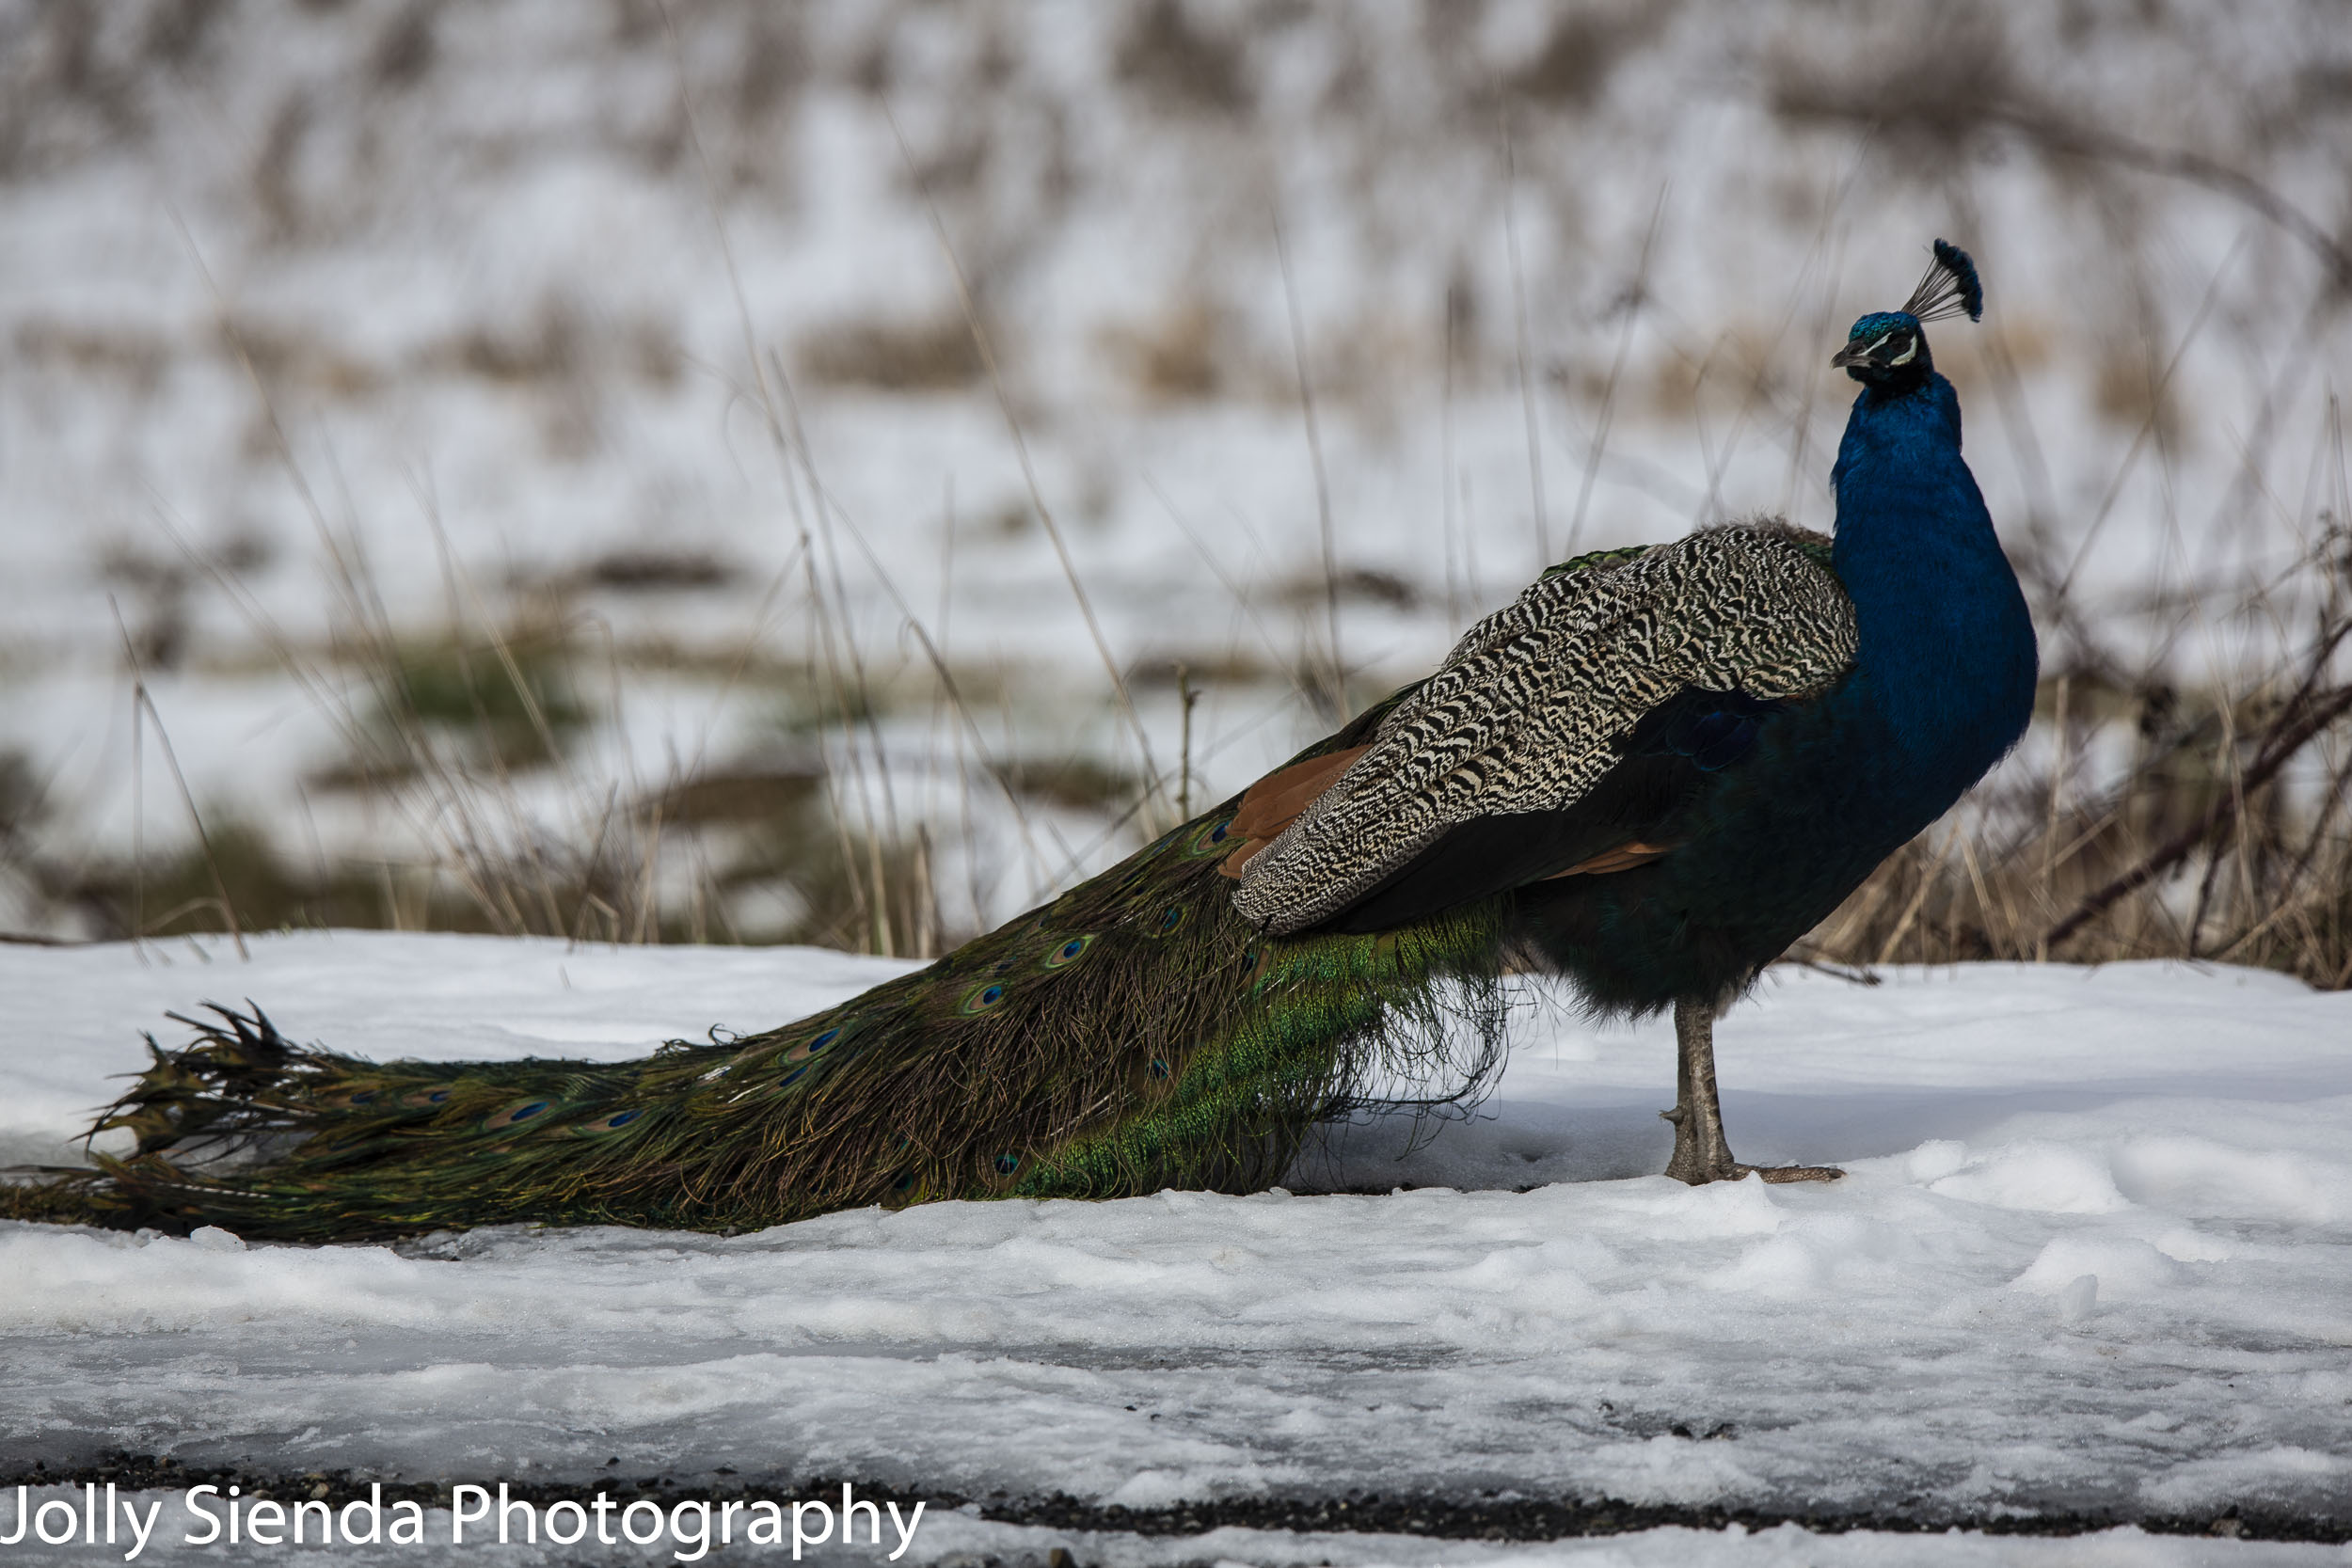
[1910, 352]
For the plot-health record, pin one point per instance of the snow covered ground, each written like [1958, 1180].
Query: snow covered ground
[2092, 1257]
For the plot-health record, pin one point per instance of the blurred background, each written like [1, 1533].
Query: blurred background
[733, 471]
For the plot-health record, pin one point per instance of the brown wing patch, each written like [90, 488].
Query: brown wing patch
[1624, 857]
[1275, 801]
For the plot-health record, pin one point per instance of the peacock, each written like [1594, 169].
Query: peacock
[1649, 774]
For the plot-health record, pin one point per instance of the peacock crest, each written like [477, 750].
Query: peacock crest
[1949, 288]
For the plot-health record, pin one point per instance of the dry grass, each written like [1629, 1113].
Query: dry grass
[894, 356]
[2146, 818]
[2222, 835]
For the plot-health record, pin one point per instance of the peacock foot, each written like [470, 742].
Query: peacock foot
[1796, 1173]
[1701, 1154]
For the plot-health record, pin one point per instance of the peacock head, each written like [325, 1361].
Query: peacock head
[1888, 349]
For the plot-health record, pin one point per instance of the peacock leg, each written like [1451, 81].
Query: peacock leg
[1702, 1153]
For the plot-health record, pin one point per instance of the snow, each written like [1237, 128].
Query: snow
[2092, 1256]
[960, 1540]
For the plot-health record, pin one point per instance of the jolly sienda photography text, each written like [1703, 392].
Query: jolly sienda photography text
[211, 1515]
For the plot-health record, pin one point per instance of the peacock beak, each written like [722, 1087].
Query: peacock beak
[1854, 352]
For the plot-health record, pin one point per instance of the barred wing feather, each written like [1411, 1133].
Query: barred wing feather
[1534, 705]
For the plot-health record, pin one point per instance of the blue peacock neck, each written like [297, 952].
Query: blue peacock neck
[1946, 653]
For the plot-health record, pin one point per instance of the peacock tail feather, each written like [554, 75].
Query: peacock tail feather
[1135, 1033]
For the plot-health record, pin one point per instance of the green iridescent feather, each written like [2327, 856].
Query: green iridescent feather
[1132, 1035]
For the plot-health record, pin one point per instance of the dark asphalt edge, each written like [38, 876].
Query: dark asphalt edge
[1488, 1516]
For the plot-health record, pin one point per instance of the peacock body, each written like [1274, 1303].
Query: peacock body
[1649, 774]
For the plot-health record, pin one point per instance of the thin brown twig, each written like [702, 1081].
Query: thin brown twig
[1519, 333]
[2180, 164]
[1633, 301]
[142, 701]
[2278, 749]
[1335, 705]
[1918, 898]
[987, 350]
